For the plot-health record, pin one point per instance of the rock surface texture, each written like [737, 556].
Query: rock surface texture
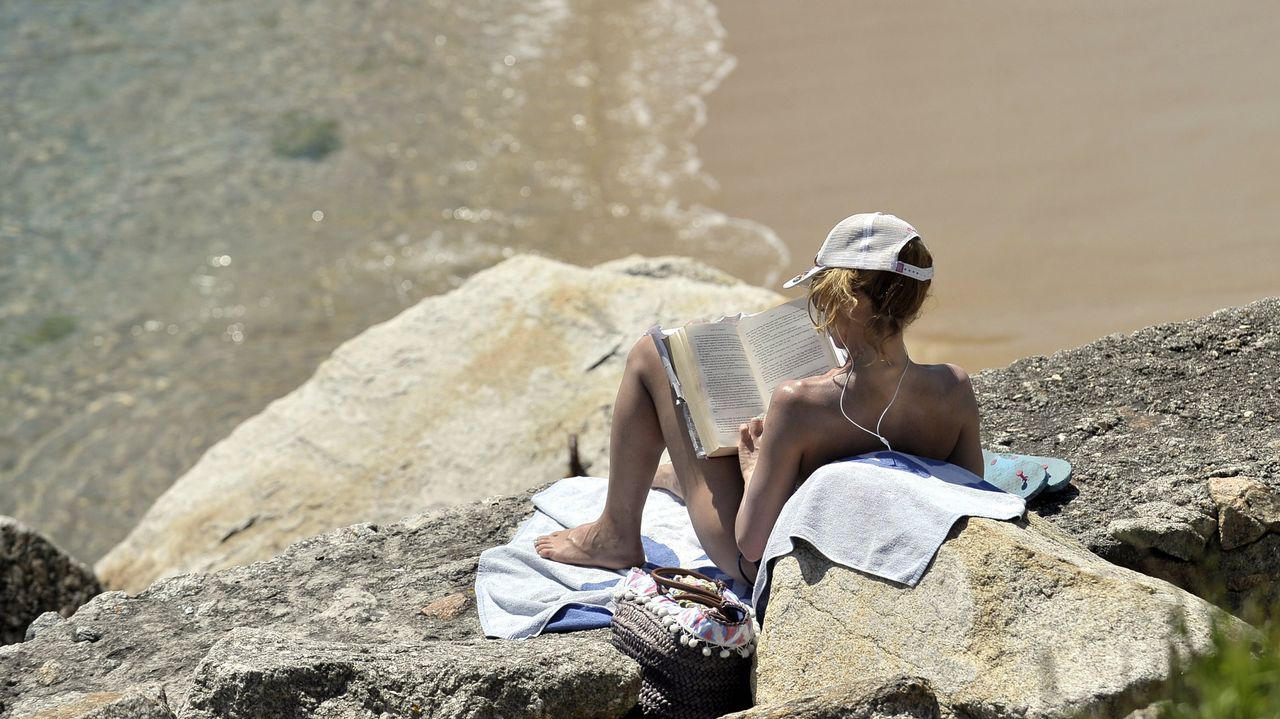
[1173, 434]
[37, 577]
[900, 697]
[1012, 619]
[267, 674]
[465, 395]
[333, 627]
[370, 622]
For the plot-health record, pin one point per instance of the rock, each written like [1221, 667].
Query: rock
[669, 268]
[260, 673]
[449, 607]
[465, 395]
[344, 609]
[1150, 418]
[42, 623]
[1175, 530]
[1247, 509]
[132, 706]
[1183, 490]
[900, 697]
[1012, 619]
[36, 577]
[101, 705]
[347, 604]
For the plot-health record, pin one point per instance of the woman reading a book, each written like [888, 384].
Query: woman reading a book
[868, 283]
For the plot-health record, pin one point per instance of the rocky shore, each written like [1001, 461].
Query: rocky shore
[292, 573]
[1173, 433]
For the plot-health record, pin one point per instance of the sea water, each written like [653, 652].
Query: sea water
[200, 200]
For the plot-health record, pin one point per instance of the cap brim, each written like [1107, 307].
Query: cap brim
[802, 277]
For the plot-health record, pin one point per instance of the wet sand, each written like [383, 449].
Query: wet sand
[1076, 168]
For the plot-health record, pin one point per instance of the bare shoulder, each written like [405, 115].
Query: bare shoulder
[946, 376]
[949, 382]
[793, 399]
[796, 393]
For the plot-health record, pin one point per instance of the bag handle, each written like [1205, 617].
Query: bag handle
[664, 577]
[661, 575]
[666, 580]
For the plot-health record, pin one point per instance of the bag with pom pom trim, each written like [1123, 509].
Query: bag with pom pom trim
[693, 638]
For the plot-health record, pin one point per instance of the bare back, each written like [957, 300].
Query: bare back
[933, 416]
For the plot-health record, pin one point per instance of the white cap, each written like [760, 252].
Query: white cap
[867, 241]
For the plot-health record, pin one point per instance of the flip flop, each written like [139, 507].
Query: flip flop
[1059, 471]
[1025, 475]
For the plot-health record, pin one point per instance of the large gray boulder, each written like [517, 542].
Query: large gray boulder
[370, 621]
[37, 577]
[359, 621]
[1154, 422]
[1012, 619]
[465, 395]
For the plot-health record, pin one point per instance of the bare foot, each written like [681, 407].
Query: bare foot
[590, 545]
[750, 435]
[665, 478]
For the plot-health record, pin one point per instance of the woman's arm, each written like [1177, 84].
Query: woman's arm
[772, 478]
[968, 450]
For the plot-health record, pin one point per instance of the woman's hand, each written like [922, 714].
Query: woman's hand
[749, 437]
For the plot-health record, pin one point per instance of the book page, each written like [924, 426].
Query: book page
[730, 386]
[666, 342]
[784, 345]
[688, 384]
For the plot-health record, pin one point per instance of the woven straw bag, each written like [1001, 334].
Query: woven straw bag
[692, 638]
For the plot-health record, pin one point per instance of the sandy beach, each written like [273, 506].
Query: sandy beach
[1077, 169]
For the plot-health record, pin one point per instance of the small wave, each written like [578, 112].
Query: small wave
[203, 200]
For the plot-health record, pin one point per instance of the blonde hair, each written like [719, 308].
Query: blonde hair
[895, 299]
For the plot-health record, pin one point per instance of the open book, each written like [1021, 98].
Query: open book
[724, 372]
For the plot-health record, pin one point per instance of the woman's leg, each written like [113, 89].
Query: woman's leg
[645, 420]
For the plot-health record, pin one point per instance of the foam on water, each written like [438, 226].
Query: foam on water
[170, 265]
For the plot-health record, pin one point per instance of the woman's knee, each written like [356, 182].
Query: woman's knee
[643, 356]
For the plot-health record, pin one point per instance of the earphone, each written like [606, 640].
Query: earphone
[849, 376]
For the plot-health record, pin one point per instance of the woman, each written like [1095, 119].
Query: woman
[867, 284]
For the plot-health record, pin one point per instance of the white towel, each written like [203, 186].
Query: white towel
[883, 513]
[519, 594]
